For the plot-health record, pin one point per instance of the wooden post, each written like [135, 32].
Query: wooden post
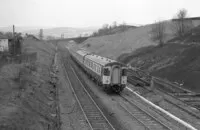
[152, 83]
[13, 39]
[13, 30]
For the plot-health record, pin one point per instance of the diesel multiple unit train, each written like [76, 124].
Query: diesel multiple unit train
[107, 73]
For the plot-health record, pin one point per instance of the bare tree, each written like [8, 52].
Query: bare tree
[158, 32]
[114, 24]
[123, 26]
[41, 34]
[105, 26]
[180, 24]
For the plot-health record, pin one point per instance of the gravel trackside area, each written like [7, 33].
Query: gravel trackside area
[71, 115]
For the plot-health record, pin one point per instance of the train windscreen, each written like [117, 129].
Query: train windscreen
[124, 72]
[106, 72]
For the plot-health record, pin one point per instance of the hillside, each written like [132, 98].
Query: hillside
[116, 44]
[49, 31]
[108, 30]
[27, 93]
[191, 37]
[177, 61]
[67, 31]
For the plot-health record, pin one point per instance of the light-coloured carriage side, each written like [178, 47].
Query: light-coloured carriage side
[94, 66]
[81, 54]
[99, 59]
[99, 66]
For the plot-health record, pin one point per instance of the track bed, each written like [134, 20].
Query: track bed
[92, 112]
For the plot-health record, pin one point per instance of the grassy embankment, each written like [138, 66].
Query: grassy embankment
[27, 98]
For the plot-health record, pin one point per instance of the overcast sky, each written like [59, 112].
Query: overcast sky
[84, 13]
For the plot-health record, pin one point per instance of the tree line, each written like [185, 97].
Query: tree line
[107, 29]
[180, 25]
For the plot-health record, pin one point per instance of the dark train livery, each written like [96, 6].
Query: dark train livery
[108, 73]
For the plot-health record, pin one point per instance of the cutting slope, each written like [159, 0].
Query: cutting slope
[114, 45]
[27, 96]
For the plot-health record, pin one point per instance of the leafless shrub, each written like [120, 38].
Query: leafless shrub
[158, 32]
[107, 29]
[41, 35]
[24, 74]
[181, 24]
[88, 45]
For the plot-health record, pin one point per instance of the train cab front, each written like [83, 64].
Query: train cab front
[114, 78]
[124, 76]
[106, 76]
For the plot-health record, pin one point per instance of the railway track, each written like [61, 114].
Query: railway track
[95, 116]
[91, 111]
[148, 121]
[170, 87]
[136, 78]
[180, 111]
[140, 78]
[178, 97]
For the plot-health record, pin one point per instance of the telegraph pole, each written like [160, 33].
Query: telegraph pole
[13, 30]
[13, 40]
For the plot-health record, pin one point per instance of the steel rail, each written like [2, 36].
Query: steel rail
[153, 119]
[93, 114]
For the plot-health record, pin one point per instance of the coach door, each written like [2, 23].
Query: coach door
[116, 75]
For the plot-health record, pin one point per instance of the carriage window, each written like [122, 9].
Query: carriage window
[106, 72]
[124, 72]
[95, 67]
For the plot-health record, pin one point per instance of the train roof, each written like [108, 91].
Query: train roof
[98, 59]
[102, 60]
[83, 52]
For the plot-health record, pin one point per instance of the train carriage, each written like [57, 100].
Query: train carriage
[106, 72]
